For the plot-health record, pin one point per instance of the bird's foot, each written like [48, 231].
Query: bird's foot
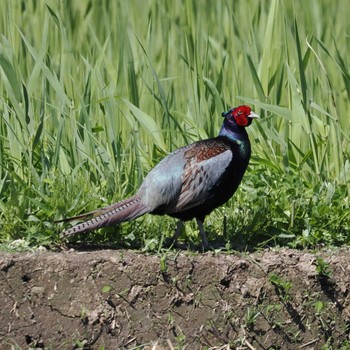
[207, 247]
[170, 243]
[173, 243]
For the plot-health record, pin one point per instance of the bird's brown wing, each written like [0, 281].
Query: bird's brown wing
[202, 171]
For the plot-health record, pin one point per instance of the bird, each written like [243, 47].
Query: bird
[187, 184]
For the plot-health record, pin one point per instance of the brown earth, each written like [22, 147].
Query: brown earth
[274, 299]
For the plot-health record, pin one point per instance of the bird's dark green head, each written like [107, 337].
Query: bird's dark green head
[242, 115]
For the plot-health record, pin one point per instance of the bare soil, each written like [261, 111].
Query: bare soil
[274, 299]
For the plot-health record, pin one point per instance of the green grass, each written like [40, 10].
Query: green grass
[93, 94]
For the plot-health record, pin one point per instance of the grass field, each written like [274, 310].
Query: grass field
[94, 94]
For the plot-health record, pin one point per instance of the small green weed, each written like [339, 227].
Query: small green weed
[323, 270]
[106, 288]
[282, 286]
[251, 315]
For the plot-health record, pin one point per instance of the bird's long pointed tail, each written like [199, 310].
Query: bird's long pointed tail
[114, 214]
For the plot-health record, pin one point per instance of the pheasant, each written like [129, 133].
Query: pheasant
[189, 183]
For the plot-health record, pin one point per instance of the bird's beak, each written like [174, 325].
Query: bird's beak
[253, 115]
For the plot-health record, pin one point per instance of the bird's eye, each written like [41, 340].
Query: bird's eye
[239, 113]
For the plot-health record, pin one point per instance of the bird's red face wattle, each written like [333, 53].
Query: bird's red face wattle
[241, 115]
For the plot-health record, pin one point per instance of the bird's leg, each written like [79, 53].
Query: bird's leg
[178, 230]
[174, 238]
[206, 245]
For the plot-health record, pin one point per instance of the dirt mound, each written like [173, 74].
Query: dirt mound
[280, 299]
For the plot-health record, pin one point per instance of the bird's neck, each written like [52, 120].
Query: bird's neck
[234, 132]
[237, 135]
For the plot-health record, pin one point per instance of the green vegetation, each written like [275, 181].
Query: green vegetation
[282, 286]
[323, 270]
[93, 94]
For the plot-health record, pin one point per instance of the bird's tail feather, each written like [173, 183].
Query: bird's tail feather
[114, 214]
